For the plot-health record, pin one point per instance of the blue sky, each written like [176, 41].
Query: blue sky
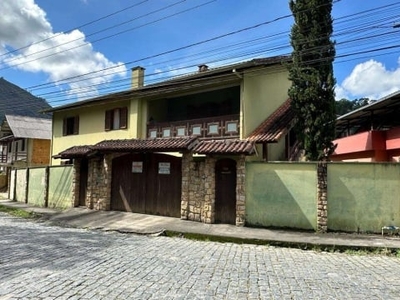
[65, 51]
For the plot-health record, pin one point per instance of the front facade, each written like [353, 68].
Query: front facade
[177, 148]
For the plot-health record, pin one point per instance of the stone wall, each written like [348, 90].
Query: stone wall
[322, 187]
[98, 195]
[240, 191]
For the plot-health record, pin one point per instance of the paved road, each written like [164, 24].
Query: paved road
[42, 262]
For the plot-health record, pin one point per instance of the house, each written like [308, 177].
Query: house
[370, 133]
[25, 132]
[25, 142]
[177, 148]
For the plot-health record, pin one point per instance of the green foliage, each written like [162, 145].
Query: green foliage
[311, 73]
[344, 106]
[19, 212]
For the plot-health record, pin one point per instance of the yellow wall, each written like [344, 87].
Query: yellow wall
[91, 126]
[262, 93]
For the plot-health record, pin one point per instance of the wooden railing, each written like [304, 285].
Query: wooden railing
[214, 127]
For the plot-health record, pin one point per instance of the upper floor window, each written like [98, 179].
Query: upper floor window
[116, 118]
[71, 125]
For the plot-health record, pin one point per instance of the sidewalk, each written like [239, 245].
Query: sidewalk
[149, 224]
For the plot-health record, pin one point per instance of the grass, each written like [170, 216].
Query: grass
[303, 246]
[16, 212]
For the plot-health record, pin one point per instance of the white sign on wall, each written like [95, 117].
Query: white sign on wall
[137, 167]
[164, 168]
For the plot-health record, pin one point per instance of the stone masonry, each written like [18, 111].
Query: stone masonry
[322, 189]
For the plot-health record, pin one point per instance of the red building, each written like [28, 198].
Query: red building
[370, 133]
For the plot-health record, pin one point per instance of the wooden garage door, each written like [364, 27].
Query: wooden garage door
[147, 183]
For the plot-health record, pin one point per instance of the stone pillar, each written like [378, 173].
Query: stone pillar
[208, 215]
[186, 181]
[322, 201]
[76, 182]
[101, 183]
[240, 191]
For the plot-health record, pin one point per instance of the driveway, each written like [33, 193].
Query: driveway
[48, 262]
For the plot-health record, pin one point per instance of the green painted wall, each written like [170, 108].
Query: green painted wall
[36, 188]
[363, 197]
[60, 187]
[281, 195]
[20, 185]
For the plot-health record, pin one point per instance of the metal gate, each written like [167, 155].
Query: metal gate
[147, 183]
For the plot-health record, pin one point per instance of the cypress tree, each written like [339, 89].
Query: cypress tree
[311, 72]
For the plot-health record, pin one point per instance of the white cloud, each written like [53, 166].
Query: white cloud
[59, 55]
[370, 79]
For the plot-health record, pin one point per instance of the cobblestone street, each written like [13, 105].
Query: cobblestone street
[43, 262]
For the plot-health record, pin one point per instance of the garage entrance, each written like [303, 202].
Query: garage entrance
[147, 183]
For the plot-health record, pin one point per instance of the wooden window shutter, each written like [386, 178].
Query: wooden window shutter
[64, 126]
[76, 125]
[108, 120]
[123, 117]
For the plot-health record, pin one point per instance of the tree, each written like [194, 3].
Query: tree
[344, 106]
[311, 73]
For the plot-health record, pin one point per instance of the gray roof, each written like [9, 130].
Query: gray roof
[28, 127]
[17, 101]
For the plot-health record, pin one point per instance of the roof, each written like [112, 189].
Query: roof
[213, 76]
[74, 152]
[17, 101]
[224, 147]
[382, 114]
[275, 126]
[174, 144]
[28, 127]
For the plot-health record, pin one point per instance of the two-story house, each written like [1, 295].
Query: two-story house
[177, 148]
[25, 132]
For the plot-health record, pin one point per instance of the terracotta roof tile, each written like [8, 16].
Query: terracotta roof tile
[275, 126]
[74, 152]
[224, 147]
[158, 144]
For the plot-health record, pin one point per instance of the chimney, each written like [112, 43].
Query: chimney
[137, 77]
[203, 68]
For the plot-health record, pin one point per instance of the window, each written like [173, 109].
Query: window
[116, 118]
[231, 127]
[181, 131]
[213, 129]
[153, 133]
[196, 130]
[166, 132]
[71, 125]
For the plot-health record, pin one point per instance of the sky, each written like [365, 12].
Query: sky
[65, 51]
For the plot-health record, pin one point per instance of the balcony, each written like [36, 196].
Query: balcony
[205, 128]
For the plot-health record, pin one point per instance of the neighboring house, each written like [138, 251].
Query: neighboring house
[26, 141]
[25, 132]
[177, 148]
[370, 133]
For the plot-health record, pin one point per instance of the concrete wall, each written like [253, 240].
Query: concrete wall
[11, 190]
[37, 186]
[281, 195]
[20, 192]
[363, 197]
[60, 187]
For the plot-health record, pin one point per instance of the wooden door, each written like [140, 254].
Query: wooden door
[164, 181]
[128, 191]
[225, 191]
[83, 178]
[147, 183]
